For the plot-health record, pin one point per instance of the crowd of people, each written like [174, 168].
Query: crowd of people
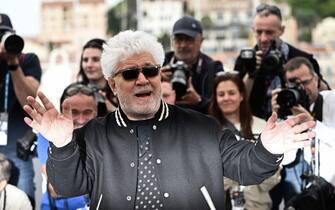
[146, 129]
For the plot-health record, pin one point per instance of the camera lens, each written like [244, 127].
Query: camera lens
[179, 82]
[12, 43]
[288, 98]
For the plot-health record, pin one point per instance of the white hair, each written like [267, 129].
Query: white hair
[126, 44]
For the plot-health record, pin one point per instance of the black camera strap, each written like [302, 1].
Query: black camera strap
[317, 109]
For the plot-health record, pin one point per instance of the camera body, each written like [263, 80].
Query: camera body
[26, 145]
[292, 96]
[272, 61]
[12, 42]
[179, 79]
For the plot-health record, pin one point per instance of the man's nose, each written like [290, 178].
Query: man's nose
[264, 37]
[80, 119]
[141, 79]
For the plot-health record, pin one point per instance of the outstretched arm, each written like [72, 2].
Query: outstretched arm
[45, 119]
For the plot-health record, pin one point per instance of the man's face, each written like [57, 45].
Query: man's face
[266, 29]
[139, 98]
[187, 48]
[303, 77]
[83, 109]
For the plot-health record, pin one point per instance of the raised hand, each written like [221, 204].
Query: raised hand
[287, 135]
[45, 119]
[191, 97]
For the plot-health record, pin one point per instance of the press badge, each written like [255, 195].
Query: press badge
[3, 128]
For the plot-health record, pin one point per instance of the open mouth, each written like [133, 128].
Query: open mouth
[143, 94]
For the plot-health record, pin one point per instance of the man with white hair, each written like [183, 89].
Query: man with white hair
[148, 154]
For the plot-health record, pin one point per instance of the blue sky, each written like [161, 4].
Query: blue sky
[25, 14]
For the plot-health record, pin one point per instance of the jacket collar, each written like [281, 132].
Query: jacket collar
[123, 121]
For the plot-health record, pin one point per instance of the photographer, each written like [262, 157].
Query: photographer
[301, 79]
[261, 67]
[19, 77]
[194, 82]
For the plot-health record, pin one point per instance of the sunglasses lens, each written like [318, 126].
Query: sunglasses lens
[130, 74]
[150, 71]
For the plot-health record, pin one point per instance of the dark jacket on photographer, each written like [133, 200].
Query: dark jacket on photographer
[203, 73]
[260, 95]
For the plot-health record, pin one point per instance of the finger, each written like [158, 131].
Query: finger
[275, 91]
[46, 102]
[36, 105]
[297, 119]
[271, 122]
[67, 109]
[303, 127]
[303, 136]
[33, 124]
[103, 94]
[32, 113]
[190, 85]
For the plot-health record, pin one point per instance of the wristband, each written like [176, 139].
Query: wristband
[13, 67]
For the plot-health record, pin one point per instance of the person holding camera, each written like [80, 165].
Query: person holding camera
[192, 72]
[262, 66]
[19, 77]
[301, 79]
[11, 198]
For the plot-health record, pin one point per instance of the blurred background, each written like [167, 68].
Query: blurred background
[65, 25]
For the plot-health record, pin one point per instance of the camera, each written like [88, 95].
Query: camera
[292, 96]
[248, 57]
[272, 61]
[26, 145]
[12, 42]
[179, 79]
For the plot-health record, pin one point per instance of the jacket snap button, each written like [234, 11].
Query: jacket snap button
[166, 195]
[132, 164]
[128, 198]
[158, 161]
[154, 127]
[131, 131]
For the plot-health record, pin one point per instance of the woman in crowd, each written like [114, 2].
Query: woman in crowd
[229, 105]
[90, 73]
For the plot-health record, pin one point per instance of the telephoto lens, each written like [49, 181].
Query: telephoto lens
[13, 43]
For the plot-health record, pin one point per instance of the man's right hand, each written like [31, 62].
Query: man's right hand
[45, 119]
[259, 55]
[166, 72]
[274, 95]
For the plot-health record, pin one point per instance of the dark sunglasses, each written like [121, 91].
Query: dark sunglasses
[132, 73]
[79, 88]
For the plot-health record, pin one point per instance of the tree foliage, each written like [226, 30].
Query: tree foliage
[309, 12]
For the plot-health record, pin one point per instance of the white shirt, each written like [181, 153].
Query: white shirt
[325, 132]
[16, 199]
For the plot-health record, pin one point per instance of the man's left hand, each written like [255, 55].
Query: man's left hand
[191, 97]
[287, 135]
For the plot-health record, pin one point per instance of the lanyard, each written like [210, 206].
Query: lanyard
[6, 93]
